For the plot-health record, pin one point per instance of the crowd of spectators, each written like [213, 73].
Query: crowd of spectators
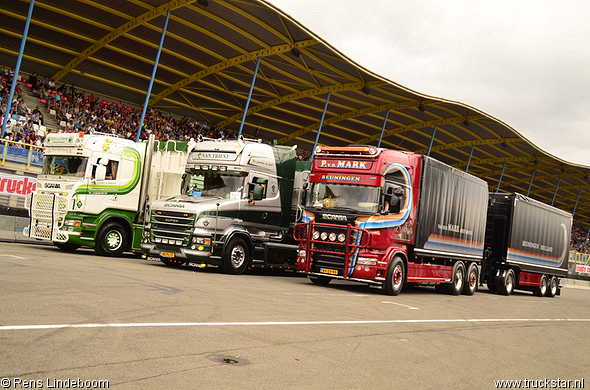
[578, 241]
[21, 132]
[86, 112]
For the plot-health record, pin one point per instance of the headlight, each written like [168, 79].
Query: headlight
[342, 237]
[178, 242]
[315, 235]
[301, 253]
[157, 240]
[164, 241]
[72, 222]
[323, 236]
[332, 237]
[366, 261]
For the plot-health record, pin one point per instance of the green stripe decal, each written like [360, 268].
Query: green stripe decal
[122, 189]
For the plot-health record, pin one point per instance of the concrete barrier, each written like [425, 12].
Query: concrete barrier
[11, 230]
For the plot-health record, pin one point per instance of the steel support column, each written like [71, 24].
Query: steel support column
[149, 92]
[555, 193]
[576, 205]
[531, 183]
[501, 176]
[320, 128]
[17, 68]
[249, 97]
[383, 129]
[469, 161]
[431, 140]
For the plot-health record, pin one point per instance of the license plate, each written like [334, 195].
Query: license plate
[329, 271]
[167, 254]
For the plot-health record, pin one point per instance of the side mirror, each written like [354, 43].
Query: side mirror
[258, 193]
[101, 172]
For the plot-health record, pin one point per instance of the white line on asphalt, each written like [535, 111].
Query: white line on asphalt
[189, 324]
[18, 257]
[399, 304]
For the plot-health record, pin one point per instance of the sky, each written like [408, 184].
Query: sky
[527, 63]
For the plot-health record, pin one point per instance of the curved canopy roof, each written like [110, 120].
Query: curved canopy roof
[207, 66]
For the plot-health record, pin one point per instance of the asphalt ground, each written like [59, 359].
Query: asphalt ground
[80, 318]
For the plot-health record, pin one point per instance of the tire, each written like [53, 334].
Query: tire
[236, 257]
[506, 285]
[541, 291]
[67, 246]
[457, 283]
[396, 275]
[112, 240]
[471, 280]
[320, 280]
[552, 287]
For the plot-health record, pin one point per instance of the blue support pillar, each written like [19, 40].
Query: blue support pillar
[383, 129]
[17, 67]
[501, 176]
[320, 129]
[249, 96]
[555, 193]
[531, 183]
[586, 242]
[469, 161]
[149, 92]
[431, 140]
[576, 206]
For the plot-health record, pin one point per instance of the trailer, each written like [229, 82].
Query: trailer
[391, 219]
[527, 245]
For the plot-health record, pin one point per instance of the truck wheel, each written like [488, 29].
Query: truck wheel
[235, 257]
[456, 285]
[112, 240]
[67, 246]
[507, 283]
[395, 277]
[320, 280]
[552, 288]
[542, 289]
[471, 280]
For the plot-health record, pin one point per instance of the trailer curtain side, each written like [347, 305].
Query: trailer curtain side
[451, 213]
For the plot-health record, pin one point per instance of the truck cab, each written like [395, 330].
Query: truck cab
[236, 209]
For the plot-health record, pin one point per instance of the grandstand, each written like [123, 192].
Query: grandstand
[304, 90]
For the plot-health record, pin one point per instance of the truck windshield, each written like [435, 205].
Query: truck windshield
[65, 166]
[218, 184]
[362, 199]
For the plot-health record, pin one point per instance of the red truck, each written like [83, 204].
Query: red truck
[390, 218]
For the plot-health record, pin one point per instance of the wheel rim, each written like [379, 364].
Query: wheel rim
[509, 283]
[553, 286]
[472, 279]
[543, 285]
[397, 276]
[459, 279]
[113, 240]
[238, 256]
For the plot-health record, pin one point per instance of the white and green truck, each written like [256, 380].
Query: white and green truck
[239, 202]
[94, 189]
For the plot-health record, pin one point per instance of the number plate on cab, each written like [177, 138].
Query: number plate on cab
[167, 254]
[329, 271]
